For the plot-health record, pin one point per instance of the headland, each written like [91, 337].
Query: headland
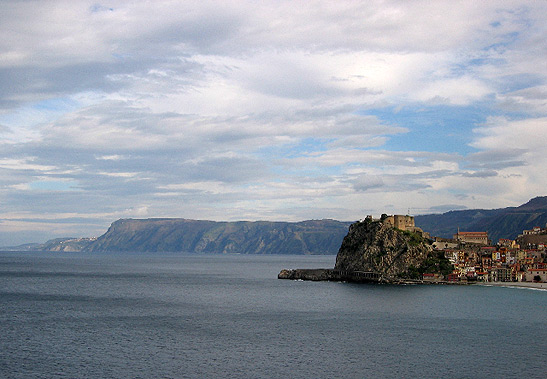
[386, 250]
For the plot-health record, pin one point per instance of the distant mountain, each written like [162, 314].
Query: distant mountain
[198, 236]
[67, 244]
[267, 237]
[24, 247]
[499, 223]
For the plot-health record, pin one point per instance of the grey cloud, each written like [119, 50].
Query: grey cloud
[207, 33]
[22, 84]
[395, 183]
[229, 170]
[33, 83]
[365, 183]
[491, 160]
[150, 169]
[480, 174]
[434, 174]
[531, 100]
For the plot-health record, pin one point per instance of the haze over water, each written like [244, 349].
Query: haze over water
[126, 316]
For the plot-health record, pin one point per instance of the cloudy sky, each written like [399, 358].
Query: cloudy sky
[266, 110]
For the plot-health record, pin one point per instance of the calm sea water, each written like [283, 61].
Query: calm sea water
[183, 316]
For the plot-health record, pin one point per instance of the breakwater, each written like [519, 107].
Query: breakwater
[326, 274]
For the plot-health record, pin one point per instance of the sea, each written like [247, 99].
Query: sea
[73, 315]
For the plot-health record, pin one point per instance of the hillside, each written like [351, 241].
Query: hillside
[499, 223]
[198, 236]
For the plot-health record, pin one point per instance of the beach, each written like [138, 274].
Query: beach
[533, 285]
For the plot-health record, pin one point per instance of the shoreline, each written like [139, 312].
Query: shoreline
[332, 275]
[528, 285]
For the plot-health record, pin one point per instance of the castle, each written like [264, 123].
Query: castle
[401, 222]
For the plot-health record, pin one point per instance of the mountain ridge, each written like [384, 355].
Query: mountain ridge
[172, 235]
[280, 237]
[499, 223]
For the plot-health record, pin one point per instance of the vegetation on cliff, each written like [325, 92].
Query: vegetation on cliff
[435, 263]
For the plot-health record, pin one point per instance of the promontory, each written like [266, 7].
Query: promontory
[391, 249]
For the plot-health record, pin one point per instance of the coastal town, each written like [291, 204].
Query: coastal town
[477, 259]
[392, 249]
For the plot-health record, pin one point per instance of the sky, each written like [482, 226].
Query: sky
[266, 110]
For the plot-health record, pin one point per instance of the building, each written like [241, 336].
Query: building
[510, 244]
[401, 222]
[405, 223]
[444, 243]
[535, 231]
[533, 274]
[501, 274]
[472, 237]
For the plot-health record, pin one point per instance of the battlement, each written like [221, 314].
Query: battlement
[401, 222]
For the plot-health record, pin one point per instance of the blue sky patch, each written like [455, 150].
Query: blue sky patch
[53, 185]
[439, 128]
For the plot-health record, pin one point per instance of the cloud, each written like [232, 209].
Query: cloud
[271, 110]
[532, 99]
[365, 183]
[527, 134]
[480, 174]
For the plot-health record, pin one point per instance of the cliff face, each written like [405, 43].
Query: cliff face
[198, 236]
[378, 247]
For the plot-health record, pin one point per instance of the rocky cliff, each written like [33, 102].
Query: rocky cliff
[377, 247]
[375, 251]
[199, 236]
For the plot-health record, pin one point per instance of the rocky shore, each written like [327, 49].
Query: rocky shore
[333, 275]
[326, 274]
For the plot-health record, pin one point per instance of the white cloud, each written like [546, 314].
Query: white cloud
[500, 133]
[270, 110]
[27, 164]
